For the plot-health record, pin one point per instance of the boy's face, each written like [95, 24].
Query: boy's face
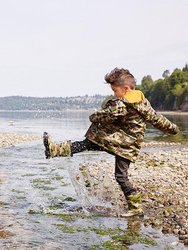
[119, 90]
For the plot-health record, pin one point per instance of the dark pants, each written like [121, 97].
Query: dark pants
[121, 164]
[121, 175]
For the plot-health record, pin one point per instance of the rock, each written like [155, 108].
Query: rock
[186, 242]
[165, 230]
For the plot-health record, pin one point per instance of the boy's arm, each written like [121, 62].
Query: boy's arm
[113, 109]
[158, 121]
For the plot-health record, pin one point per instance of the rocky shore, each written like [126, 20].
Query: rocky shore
[162, 178]
[11, 139]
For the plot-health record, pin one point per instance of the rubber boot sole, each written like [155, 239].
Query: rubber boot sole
[46, 145]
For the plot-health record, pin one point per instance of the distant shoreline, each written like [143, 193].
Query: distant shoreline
[91, 110]
[172, 112]
[50, 110]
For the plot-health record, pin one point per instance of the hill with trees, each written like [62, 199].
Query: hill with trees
[168, 93]
[51, 103]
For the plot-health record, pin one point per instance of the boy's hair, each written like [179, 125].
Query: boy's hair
[120, 77]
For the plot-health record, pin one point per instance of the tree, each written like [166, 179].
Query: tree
[178, 76]
[185, 68]
[146, 82]
[147, 85]
[158, 94]
[166, 74]
[168, 93]
[180, 92]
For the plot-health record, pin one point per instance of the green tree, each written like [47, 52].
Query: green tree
[158, 94]
[180, 92]
[185, 68]
[168, 93]
[147, 85]
[178, 76]
[166, 74]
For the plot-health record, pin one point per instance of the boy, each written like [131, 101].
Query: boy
[119, 130]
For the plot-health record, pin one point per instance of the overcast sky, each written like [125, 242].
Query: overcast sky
[65, 47]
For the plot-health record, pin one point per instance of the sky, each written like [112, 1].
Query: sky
[65, 47]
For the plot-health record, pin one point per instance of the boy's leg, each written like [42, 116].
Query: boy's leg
[67, 148]
[80, 146]
[132, 196]
[121, 175]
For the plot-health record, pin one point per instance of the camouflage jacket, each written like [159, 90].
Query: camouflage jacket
[119, 127]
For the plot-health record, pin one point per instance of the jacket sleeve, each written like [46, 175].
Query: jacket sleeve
[158, 121]
[110, 114]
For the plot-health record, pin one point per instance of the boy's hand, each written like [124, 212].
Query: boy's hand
[176, 130]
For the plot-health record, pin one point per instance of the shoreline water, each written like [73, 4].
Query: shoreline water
[162, 178]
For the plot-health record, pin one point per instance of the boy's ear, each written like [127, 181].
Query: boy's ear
[127, 87]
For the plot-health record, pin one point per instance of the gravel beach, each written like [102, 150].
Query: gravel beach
[162, 178]
[11, 139]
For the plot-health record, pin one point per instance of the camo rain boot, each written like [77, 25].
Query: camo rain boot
[134, 206]
[55, 150]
